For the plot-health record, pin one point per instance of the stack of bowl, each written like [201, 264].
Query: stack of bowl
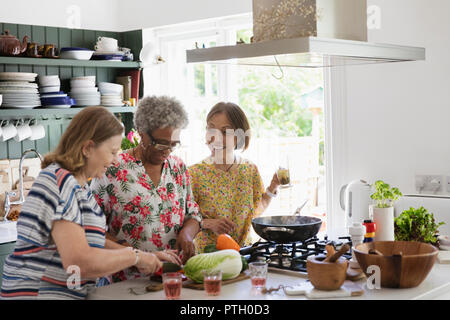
[49, 84]
[84, 91]
[111, 94]
[51, 97]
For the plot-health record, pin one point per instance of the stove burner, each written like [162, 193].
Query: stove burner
[291, 256]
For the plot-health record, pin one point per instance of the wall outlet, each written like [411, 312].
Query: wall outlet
[430, 183]
[448, 184]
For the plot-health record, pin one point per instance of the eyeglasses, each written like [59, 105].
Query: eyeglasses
[161, 146]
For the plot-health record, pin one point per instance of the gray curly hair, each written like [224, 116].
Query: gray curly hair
[156, 112]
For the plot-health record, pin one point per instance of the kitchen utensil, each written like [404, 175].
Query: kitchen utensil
[326, 275]
[32, 50]
[76, 54]
[355, 200]
[348, 289]
[336, 255]
[18, 76]
[47, 81]
[11, 46]
[8, 132]
[286, 229]
[330, 250]
[49, 89]
[106, 87]
[354, 274]
[200, 286]
[23, 132]
[403, 264]
[37, 132]
[76, 83]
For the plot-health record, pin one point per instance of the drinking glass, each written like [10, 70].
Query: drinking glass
[172, 282]
[212, 281]
[258, 274]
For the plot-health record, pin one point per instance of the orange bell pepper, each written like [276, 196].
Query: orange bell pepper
[224, 241]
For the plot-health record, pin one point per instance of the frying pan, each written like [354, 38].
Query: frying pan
[285, 229]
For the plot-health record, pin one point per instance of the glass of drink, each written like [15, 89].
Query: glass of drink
[284, 177]
[212, 281]
[258, 274]
[172, 282]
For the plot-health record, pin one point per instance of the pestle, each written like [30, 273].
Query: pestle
[338, 254]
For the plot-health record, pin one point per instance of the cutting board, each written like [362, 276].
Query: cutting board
[199, 286]
[348, 289]
[355, 274]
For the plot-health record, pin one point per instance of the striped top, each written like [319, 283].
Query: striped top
[34, 270]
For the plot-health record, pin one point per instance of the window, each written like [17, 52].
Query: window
[284, 106]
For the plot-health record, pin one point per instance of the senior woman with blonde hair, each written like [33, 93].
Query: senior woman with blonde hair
[147, 195]
[61, 229]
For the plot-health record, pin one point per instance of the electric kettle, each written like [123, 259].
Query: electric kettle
[355, 201]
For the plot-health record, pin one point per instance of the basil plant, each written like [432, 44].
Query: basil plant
[384, 195]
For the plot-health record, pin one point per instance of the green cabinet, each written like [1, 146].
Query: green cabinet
[5, 250]
[55, 121]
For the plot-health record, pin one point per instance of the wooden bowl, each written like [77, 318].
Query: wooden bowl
[326, 276]
[406, 270]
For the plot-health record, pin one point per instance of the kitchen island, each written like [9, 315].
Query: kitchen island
[435, 286]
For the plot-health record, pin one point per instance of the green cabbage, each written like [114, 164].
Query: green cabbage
[228, 261]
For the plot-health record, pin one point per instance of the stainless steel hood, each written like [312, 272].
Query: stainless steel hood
[308, 52]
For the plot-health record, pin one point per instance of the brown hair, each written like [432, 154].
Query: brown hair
[235, 115]
[92, 123]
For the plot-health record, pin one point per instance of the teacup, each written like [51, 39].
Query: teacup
[37, 132]
[8, 132]
[23, 132]
[107, 44]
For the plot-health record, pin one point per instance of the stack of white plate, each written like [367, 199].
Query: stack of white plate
[84, 91]
[111, 94]
[49, 84]
[18, 90]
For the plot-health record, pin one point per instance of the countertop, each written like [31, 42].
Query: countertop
[435, 286]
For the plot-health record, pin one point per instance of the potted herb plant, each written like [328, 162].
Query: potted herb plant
[383, 211]
[417, 225]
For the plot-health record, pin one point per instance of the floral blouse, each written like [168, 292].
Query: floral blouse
[235, 195]
[148, 217]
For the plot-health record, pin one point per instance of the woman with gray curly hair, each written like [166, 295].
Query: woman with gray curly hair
[147, 196]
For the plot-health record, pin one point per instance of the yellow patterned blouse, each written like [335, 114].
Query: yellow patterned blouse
[235, 195]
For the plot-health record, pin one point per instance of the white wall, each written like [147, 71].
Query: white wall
[137, 14]
[398, 115]
[94, 14]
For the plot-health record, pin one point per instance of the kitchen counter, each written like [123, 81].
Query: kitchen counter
[435, 286]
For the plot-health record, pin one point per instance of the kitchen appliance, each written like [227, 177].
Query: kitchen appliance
[291, 256]
[355, 200]
[284, 37]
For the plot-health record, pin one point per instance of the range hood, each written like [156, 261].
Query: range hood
[307, 52]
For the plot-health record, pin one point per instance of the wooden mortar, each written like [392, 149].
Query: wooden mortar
[326, 276]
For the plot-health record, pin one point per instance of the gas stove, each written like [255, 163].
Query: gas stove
[291, 256]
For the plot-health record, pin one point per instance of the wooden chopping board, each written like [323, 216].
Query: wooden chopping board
[193, 285]
[348, 289]
[199, 286]
[355, 274]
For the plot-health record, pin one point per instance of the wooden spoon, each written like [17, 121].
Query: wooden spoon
[338, 254]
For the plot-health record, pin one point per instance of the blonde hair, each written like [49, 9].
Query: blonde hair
[92, 123]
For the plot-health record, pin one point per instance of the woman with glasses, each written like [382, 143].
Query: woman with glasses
[227, 187]
[147, 196]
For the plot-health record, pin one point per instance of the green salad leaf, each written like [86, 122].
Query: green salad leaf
[417, 225]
